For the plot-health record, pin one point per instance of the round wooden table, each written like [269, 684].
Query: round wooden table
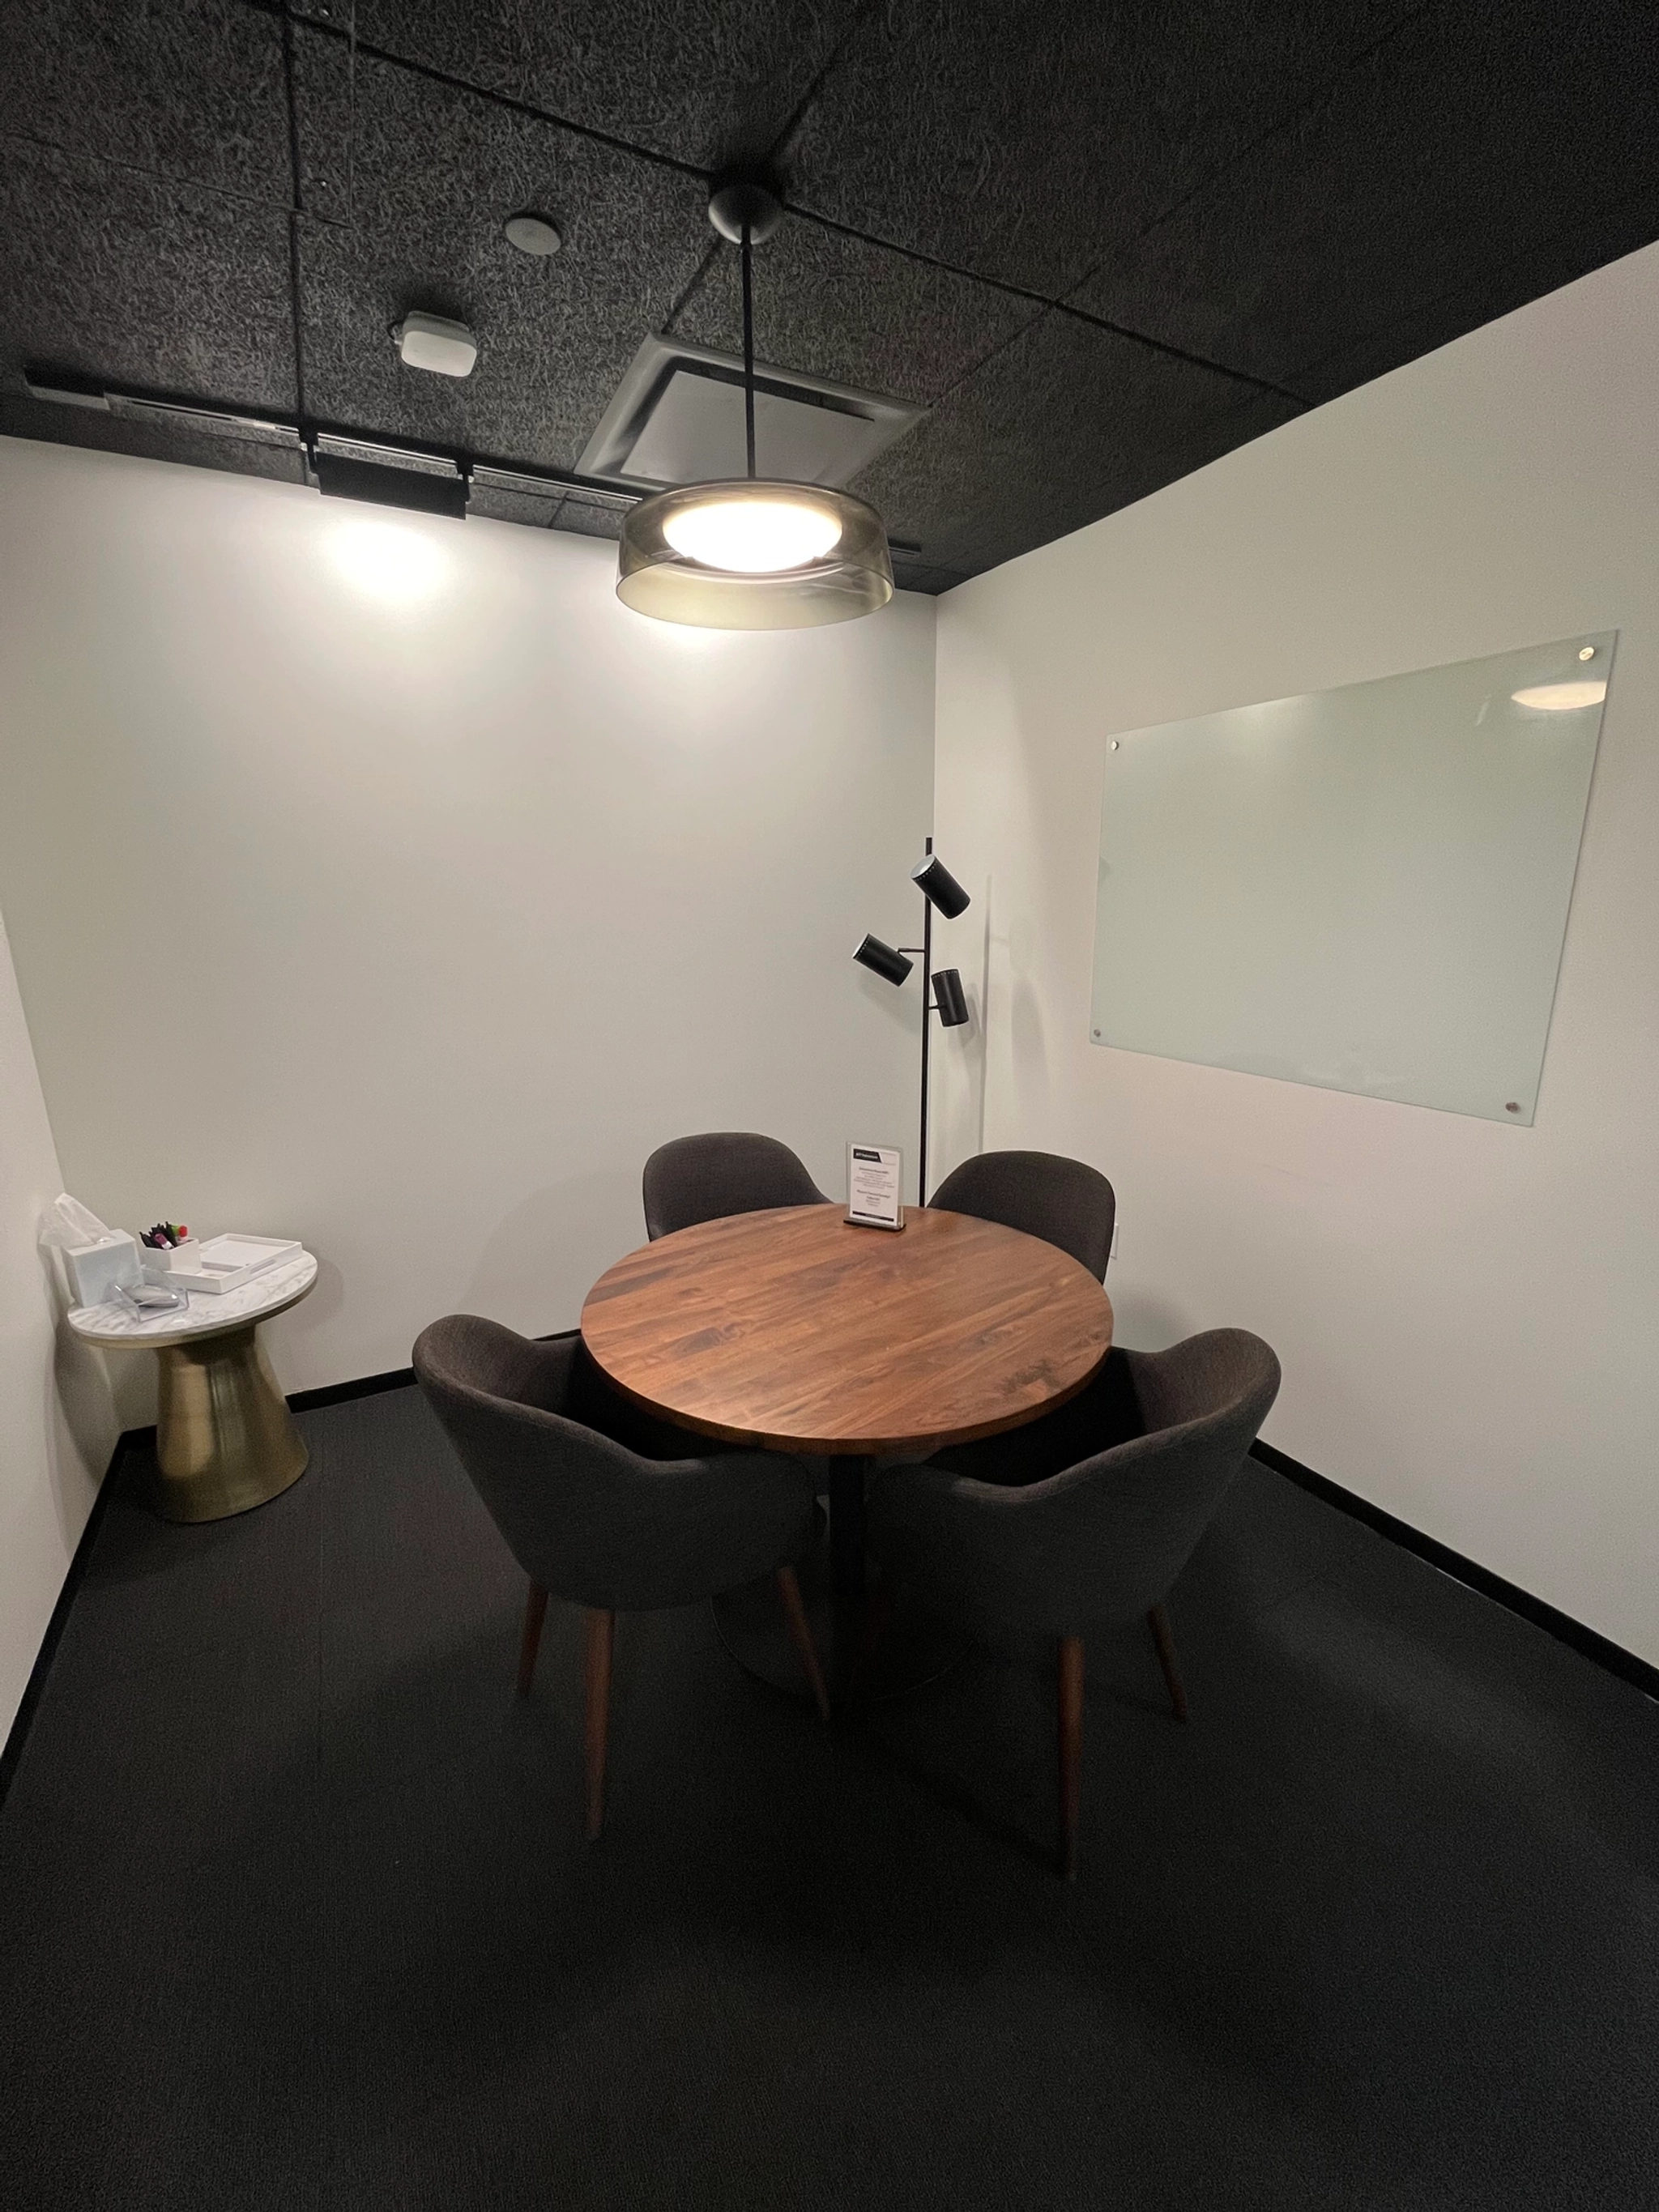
[794, 1330]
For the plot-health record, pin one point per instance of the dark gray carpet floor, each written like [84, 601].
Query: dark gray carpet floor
[293, 1910]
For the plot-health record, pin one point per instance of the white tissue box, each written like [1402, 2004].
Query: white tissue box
[94, 1269]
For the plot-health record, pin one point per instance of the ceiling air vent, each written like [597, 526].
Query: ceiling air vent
[677, 418]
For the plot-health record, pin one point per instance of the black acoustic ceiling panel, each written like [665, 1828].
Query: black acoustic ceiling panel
[1488, 290]
[192, 90]
[1067, 423]
[1101, 244]
[1023, 142]
[145, 185]
[406, 184]
[860, 315]
[141, 280]
[710, 82]
[1336, 228]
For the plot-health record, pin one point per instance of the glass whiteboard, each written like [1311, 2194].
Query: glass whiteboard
[1364, 889]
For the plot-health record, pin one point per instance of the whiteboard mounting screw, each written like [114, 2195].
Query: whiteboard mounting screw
[1513, 1107]
[1113, 745]
[1587, 652]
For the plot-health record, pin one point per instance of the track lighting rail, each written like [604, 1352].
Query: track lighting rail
[337, 444]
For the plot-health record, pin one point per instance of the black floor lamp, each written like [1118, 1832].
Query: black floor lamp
[941, 995]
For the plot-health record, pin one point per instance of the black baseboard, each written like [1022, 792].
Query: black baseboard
[1562, 1626]
[18, 1734]
[366, 1386]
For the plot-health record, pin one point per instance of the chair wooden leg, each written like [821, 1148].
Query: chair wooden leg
[1070, 1751]
[800, 1631]
[1158, 1622]
[601, 1628]
[535, 1612]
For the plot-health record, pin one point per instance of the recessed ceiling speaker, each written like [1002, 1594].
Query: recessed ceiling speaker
[432, 342]
[532, 233]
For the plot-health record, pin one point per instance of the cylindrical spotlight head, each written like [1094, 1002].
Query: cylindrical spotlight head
[949, 998]
[940, 887]
[881, 960]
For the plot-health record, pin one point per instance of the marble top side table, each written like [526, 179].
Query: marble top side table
[225, 1440]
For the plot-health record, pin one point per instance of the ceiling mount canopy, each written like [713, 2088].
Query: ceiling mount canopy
[750, 552]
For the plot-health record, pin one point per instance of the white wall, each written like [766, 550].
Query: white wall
[1467, 1313]
[407, 914]
[57, 1423]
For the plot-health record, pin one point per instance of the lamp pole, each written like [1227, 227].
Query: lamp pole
[892, 963]
[926, 1033]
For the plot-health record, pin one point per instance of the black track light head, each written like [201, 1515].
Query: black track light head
[881, 960]
[950, 999]
[939, 887]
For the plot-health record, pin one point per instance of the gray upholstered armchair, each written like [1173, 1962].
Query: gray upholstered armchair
[726, 1171]
[589, 1518]
[1066, 1203]
[1100, 1540]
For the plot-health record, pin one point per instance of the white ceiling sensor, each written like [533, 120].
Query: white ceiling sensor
[432, 342]
[677, 418]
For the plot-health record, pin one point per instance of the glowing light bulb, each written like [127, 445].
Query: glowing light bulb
[752, 536]
[1561, 698]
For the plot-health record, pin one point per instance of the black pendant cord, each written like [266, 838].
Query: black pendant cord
[747, 353]
[927, 1010]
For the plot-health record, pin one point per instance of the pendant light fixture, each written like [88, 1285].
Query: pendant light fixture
[750, 553]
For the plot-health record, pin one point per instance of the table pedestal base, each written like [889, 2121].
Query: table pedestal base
[914, 1647]
[225, 1440]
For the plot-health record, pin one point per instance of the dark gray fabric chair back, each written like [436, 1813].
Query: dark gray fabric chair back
[1104, 1540]
[1063, 1201]
[727, 1171]
[586, 1517]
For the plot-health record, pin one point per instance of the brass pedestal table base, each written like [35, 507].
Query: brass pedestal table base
[225, 1440]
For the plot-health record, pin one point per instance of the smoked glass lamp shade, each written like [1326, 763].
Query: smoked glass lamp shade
[747, 555]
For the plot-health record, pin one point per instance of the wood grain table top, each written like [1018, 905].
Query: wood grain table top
[794, 1330]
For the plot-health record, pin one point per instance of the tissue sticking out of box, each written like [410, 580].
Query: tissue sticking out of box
[96, 1258]
[70, 1223]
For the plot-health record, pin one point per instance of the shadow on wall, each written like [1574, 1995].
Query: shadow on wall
[960, 1055]
[538, 1262]
[1028, 1038]
[312, 1316]
[896, 1007]
[1144, 1322]
[82, 1413]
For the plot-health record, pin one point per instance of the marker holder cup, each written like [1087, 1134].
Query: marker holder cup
[159, 1265]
